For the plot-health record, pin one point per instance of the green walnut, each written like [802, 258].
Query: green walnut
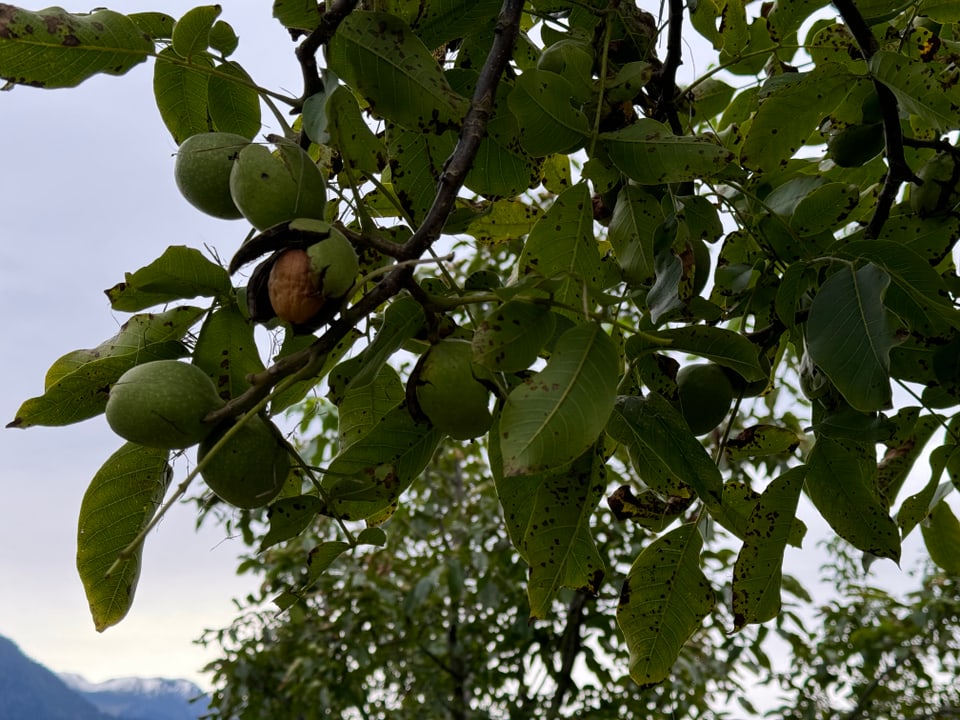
[940, 190]
[202, 172]
[705, 395]
[747, 389]
[335, 264]
[856, 145]
[249, 471]
[273, 188]
[162, 404]
[448, 391]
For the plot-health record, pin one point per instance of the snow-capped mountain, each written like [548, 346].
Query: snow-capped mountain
[142, 698]
[29, 691]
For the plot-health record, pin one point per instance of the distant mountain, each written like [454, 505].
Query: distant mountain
[28, 691]
[142, 698]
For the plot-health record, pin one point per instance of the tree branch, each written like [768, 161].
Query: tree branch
[570, 644]
[307, 50]
[451, 181]
[898, 171]
[474, 129]
[666, 102]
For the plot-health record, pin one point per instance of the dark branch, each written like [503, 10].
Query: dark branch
[307, 50]
[898, 171]
[666, 102]
[570, 644]
[474, 128]
[451, 181]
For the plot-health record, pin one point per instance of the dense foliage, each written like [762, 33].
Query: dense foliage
[505, 226]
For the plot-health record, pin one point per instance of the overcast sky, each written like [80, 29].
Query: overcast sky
[87, 189]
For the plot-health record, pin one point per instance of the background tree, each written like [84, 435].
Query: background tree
[586, 202]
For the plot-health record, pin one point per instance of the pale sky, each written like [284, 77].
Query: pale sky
[87, 189]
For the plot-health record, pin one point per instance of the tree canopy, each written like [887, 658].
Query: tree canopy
[650, 315]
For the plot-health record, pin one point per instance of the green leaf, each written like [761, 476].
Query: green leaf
[440, 21]
[503, 220]
[119, 503]
[561, 245]
[549, 123]
[841, 482]
[665, 454]
[919, 87]
[554, 416]
[227, 351]
[790, 112]
[758, 571]
[941, 535]
[373, 472]
[512, 336]
[548, 518]
[721, 345]
[636, 217]
[416, 161]
[322, 557]
[402, 320]
[77, 384]
[55, 49]
[181, 93]
[850, 334]
[916, 507]
[379, 56]
[917, 293]
[155, 25]
[288, 518]
[824, 208]
[233, 101]
[664, 600]
[358, 146]
[365, 405]
[191, 34]
[943, 11]
[297, 391]
[223, 38]
[761, 440]
[297, 14]
[372, 536]
[650, 154]
[181, 272]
